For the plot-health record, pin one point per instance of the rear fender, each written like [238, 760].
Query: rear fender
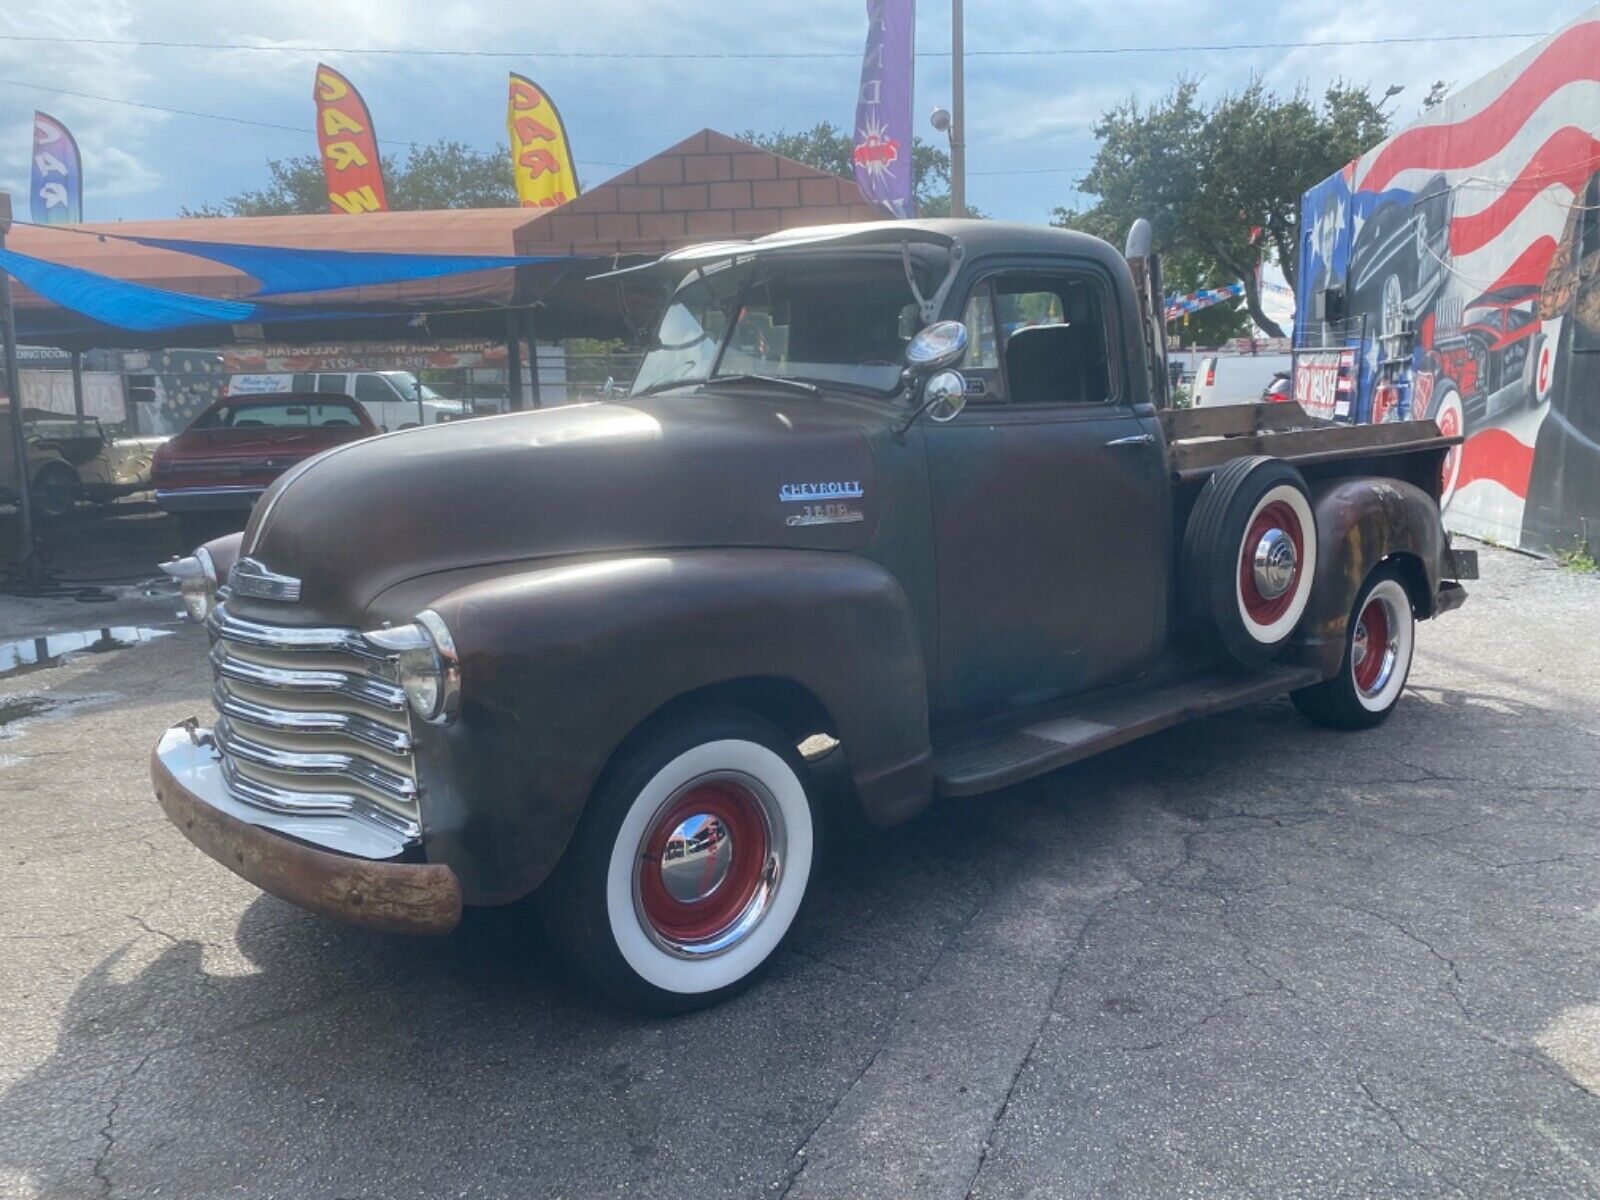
[1362, 522]
[559, 665]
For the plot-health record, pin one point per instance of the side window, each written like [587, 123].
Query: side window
[371, 389]
[333, 385]
[1040, 339]
[1019, 310]
[303, 382]
[981, 364]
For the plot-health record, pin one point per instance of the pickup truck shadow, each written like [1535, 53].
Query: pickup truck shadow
[296, 1040]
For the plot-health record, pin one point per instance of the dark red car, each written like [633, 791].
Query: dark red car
[214, 471]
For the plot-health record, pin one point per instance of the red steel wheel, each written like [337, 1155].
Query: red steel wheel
[1270, 562]
[1370, 646]
[703, 862]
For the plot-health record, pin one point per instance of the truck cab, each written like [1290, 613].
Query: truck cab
[906, 497]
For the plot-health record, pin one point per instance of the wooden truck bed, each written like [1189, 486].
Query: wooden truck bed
[1199, 440]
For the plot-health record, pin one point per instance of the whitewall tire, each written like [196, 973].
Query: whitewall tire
[689, 865]
[1380, 641]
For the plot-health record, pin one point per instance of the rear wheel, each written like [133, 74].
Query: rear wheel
[688, 866]
[1380, 639]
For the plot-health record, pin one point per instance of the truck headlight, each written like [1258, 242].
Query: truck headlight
[197, 582]
[429, 670]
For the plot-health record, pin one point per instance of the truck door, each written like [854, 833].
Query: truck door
[1051, 507]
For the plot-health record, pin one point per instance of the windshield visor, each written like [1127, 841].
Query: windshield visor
[839, 320]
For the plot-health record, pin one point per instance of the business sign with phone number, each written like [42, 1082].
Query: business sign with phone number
[363, 356]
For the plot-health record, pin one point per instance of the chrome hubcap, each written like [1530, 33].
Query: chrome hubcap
[1273, 564]
[697, 859]
[709, 865]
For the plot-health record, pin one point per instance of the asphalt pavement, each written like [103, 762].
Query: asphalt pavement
[1244, 958]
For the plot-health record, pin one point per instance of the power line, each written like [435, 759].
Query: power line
[299, 129]
[698, 55]
[211, 116]
[1037, 171]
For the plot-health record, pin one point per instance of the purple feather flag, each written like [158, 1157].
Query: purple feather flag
[882, 153]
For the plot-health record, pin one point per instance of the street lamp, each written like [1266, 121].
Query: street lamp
[952, 121]
[958, 105]
[1394, 90]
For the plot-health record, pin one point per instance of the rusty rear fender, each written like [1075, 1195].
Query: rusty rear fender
[560, 664]
[1362, 522]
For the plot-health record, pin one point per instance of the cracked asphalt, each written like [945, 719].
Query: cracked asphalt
[1243, 958]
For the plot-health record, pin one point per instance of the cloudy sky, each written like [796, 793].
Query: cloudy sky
[1030, 119]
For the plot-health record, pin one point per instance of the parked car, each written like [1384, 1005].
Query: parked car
[1279, 390]
[1235, 378]
[391, 398]
[216, 469]
[576, 652]
[106, 468]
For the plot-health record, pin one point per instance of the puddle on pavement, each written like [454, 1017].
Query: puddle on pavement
[26, 655]
[21, 711]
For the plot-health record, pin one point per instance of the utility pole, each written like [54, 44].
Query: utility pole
[958, 113]
[28, 559]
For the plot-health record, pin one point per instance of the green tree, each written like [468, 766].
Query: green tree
[1185, 272]
[1223, 182]
[442, 174]
[828, 148]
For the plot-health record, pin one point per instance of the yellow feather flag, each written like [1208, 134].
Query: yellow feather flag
[541, 157]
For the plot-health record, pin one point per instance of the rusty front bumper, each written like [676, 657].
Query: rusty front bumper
[391, 896]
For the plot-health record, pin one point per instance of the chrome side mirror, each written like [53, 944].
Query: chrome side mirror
[944, 396]
[939, 345]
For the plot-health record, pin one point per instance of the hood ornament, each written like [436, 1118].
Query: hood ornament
[250, 577]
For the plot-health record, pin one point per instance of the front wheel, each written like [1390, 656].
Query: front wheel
[1379, 641]
[688, 866]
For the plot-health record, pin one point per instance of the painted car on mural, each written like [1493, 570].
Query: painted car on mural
[611, 655]
[1435, 248]
[1400, 261]
[1493, 362]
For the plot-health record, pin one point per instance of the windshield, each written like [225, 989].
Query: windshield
[843, 321]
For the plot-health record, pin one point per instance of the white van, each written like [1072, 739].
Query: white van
[390, 397]
[1235, 378]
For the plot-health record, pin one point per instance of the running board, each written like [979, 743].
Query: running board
[975, 765]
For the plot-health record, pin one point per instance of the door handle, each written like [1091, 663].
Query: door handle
[1133, 439]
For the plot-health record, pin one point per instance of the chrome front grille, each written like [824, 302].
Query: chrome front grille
[312, 722]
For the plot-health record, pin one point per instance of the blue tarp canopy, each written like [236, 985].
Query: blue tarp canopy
[281, 271]
[284, 270]
[128, 305]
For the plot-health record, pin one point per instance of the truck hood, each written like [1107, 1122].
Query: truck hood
[686, 468]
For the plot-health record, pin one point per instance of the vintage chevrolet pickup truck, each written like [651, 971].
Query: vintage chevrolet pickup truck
[906, 496]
